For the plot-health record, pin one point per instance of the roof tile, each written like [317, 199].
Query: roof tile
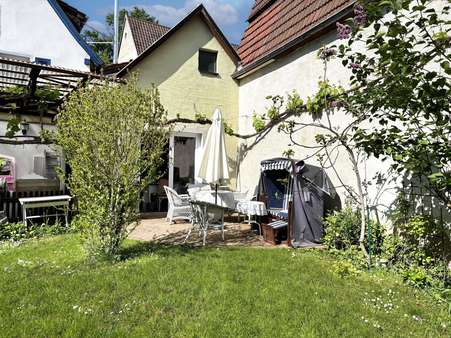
[145, 33]
[274, 23]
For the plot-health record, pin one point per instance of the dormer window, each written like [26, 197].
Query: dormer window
[208, 61]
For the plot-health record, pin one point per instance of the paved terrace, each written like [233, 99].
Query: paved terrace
[155, 228]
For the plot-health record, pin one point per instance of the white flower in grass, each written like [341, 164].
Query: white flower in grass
[417, 318]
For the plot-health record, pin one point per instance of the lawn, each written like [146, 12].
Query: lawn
[48, 289]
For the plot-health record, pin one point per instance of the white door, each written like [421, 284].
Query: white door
[185, 150]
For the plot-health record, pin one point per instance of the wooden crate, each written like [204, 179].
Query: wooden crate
[274, 236]
[269, 234]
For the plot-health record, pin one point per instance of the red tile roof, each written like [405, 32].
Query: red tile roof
[259, 5]
[274, 23]
[206, 18]
[145, 33]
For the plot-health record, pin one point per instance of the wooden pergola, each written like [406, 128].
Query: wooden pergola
[30, 77]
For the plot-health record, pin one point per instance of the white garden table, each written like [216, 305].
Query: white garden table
[224, 198]
[252, 208]
[42, 202]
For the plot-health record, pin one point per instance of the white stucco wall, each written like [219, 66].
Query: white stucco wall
[127, 50]
[32, 28]
[300, 71]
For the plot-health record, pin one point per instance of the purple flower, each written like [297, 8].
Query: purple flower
[360, 17]
[355, 65]
[343, 31]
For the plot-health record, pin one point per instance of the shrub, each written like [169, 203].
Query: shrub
[113, 137]
[342, 228]
[345, 269]
[420, 241]
[419, 252]
[18, 231]
[417, 276]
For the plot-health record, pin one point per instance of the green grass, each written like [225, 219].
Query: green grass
[48, 289]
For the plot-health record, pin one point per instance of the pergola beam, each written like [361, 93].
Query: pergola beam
[34, 74]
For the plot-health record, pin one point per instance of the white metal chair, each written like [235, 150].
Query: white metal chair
[207, 216]
[178, 206]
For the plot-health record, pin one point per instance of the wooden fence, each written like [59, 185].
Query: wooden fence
[9, 203]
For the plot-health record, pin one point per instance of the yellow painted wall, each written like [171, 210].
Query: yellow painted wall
[173, 68]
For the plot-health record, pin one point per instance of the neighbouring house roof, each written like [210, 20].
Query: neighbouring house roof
[258, 7]
[199, 10]
[78, 18]
[145, 33]
[31, 76]
[277, 25]
[74, 32]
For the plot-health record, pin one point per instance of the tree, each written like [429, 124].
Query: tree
[105, 48]
[332, 136]
[402, 83]
[113, 137]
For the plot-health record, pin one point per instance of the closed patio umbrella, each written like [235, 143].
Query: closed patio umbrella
[214, 166]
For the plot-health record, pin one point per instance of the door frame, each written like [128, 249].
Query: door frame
[198, 136]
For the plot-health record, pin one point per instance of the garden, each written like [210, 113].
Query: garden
[49, 288]
[376, 274]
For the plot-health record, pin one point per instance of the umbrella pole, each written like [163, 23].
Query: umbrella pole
[216, 193]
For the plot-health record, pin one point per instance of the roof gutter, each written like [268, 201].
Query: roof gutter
[269, 58]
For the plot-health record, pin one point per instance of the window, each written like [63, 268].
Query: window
[207, 61]
[43, 61]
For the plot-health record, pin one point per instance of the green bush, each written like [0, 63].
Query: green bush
[345, 269]
[417, 276]
[114, 138]
[420, 252]
[18, 231]
[342, 229]
[417, 251]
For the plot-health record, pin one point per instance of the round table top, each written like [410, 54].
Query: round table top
[254, 208]
[224, 198]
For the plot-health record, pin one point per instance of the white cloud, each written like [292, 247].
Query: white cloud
[223, 13]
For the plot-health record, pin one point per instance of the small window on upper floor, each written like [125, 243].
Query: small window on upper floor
[43, 61]
[208, 61]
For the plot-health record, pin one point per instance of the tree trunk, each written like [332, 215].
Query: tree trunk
[362, 201]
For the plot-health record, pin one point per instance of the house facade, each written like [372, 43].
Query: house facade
[40, 46]
[279, 54]
[45, 32]
[192, 65]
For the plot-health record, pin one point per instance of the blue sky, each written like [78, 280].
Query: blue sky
[230, 15]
